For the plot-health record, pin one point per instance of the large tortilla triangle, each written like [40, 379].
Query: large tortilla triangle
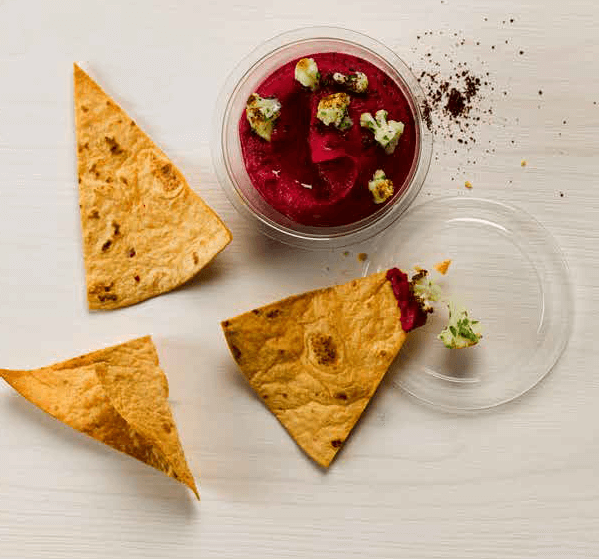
[316, 359]
[145, 231]
[117, 396]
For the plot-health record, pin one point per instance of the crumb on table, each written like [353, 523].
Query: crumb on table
[362, 256]
[443, 266]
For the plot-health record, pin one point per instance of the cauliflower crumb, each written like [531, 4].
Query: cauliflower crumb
[425, 290]
[468, 184]
[362, 256]
[523, 163]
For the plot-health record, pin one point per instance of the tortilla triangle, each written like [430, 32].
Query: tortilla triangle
[117, 396]
[316, 359]
[145, 231]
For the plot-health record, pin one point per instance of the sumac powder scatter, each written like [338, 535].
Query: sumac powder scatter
[456, 103]
[458, 96]
[453, 103]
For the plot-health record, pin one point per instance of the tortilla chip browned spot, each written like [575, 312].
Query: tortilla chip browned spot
[116, 395]
[316, 359]
[139, 217]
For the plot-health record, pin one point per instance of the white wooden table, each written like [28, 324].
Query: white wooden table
[520, 481]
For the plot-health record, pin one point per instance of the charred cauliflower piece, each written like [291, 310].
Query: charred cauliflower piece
[332, 109]
[262, 114]
[425, 289]
[356, 82]
[381, 187]
[306, 72]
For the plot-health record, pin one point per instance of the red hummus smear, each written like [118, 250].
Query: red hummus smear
[412, 315]
[315, 174]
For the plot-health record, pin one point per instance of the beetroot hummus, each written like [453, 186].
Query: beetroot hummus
[317, 174]
[412, 313]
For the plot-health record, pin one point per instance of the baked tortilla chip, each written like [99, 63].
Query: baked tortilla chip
[316, 359]
[145, 231]
[117, 396]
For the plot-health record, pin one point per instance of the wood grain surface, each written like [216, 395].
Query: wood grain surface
[520, 481]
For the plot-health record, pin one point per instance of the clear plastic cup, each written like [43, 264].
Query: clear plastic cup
[226, 144]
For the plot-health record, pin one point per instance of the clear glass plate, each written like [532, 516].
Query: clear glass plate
[509, 272]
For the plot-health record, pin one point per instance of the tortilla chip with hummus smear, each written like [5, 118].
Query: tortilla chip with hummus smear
[316, 359]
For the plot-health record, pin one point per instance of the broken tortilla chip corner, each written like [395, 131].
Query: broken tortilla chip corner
[442, 266]
[117, 396]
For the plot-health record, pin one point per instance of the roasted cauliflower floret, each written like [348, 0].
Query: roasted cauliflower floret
[461, 331]
[386, 132]
[380, 186]
[332, 109]
[306, 72]
[262, 114]
[356, 82]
